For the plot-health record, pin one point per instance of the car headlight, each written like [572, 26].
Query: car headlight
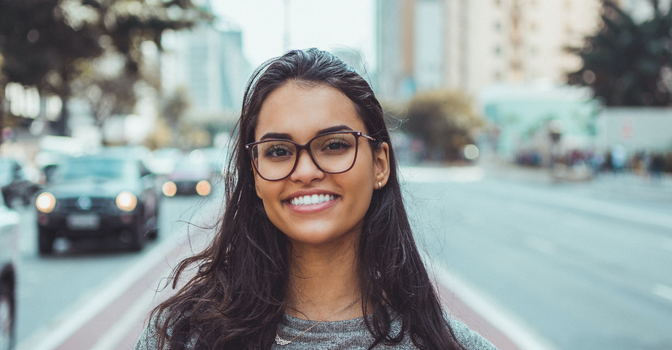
[45, 202]
[169, 188]
[126, 201]
[203, 188]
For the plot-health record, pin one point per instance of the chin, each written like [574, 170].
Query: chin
[316, 236]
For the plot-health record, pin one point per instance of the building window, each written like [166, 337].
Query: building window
[498, 26]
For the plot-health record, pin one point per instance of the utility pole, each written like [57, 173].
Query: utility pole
[285, 37]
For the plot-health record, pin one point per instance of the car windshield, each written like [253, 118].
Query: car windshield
[106, 168]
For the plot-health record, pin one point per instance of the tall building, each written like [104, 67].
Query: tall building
[208, 63]
[470, 44]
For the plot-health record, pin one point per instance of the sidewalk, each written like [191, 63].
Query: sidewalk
[622, 188]
[115, 321]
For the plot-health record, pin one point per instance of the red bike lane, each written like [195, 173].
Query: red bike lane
[118, 324]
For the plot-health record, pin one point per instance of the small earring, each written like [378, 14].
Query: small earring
[379, 186]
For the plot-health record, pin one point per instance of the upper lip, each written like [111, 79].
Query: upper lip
[308, 193]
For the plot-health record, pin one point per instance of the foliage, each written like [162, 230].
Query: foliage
[628, 63]
[51, 43]
[445, 121]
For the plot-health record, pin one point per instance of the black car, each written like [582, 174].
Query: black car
[15, 186]
[9, 225]
[189, 178]
[101, 197]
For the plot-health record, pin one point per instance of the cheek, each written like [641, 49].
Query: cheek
[265, 189]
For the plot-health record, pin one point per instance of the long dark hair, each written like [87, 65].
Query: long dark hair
[237, 298]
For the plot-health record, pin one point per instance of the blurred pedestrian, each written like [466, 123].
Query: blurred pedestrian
[618, 157]
[657, 166]
[596, 163]
[314, 249]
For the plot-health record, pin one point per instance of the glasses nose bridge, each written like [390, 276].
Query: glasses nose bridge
[305, 147]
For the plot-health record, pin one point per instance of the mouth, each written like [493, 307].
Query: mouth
[311, 199]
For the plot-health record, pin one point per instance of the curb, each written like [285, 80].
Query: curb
[482, 314]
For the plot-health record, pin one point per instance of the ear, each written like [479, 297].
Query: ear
[381, 161]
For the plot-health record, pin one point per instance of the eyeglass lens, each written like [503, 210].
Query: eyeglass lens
[332, 153]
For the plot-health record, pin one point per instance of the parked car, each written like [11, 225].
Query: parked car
[15, 185]
[191, 176]
[9, 226]
[102, 197]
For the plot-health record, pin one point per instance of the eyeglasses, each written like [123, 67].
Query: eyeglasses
[332, 153]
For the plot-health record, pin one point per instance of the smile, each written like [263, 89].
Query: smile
[311, 200]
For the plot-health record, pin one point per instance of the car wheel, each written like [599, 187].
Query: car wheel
[7, 318]
[46, 242]
[153, 234]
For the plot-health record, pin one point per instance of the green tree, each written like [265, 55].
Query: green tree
[49, 43]
[41, 48]
[628, 63]
[445, 120]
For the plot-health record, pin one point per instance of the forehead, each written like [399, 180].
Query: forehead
[303, 110]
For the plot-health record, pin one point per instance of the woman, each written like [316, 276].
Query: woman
[315, 235]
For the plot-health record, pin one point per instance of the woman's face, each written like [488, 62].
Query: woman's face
[299, 113]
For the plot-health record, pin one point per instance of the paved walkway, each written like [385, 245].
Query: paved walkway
[623, 188]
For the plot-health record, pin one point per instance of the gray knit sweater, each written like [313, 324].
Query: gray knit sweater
[341, 335]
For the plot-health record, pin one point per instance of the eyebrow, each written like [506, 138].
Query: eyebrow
[283, 136]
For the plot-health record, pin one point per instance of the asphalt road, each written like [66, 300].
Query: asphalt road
[51, 289]
[581, 266]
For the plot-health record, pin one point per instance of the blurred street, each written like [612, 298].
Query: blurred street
[83, 286]
[535, 139]
[575, 265]
[582, 265]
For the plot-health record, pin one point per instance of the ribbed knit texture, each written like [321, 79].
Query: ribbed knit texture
[342, 335]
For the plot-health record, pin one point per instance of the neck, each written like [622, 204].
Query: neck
[324, 280]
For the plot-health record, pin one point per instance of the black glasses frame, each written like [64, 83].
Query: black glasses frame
[306, 146]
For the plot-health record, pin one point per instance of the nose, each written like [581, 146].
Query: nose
[306, 170]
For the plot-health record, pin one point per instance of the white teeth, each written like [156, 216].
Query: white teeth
[309, 200]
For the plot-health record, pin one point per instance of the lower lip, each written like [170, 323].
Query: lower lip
[312, 208]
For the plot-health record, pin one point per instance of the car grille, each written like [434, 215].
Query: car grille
[98, 204]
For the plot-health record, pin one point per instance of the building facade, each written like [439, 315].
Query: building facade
[470, 44]
[208, 63]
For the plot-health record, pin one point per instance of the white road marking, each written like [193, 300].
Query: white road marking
[73, 318]
[663, 291]
[588, 205]
[515, 329]
[128, 320]
[69, 322]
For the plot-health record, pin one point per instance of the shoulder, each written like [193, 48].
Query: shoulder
[147, 340]
[469, 339]
[149, 337]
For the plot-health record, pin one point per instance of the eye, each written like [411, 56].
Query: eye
[336, 144]
[277, 151]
